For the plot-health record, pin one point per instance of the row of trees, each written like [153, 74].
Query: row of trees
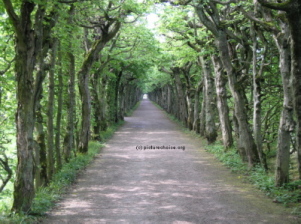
[225, 55]
[76, 71]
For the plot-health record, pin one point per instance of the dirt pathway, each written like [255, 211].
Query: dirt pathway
[127, 184]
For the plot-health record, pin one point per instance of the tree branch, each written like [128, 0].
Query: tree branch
[165, 71]
[72, 1]
[177, 2]
[5, 164]
[191, 45]
[205, 20]
[224, 3]
[284, 6]
[266, 25]
[11, 13]
[2, 72]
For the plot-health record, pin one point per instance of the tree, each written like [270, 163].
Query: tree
[108, 28]
[286, 126]
[207, 13]
[26, 52]
[293, 9]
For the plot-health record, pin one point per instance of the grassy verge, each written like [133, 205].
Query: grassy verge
[130, 112]
[289, 195]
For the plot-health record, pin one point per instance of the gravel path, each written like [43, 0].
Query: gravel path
[128, 183]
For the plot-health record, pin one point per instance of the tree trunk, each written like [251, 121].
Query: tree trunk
[69, 137]
[121, 109]
[116, 97]
[257, 79]
[84, 136]
[196, 111]
[40, 154]
[222, 104]
[181, 95]
[50, 126]
[25, 116]
[203, 114]
[210, 129]
[96, 107]
[59, 116]
[294, 17]
[287, 124]
[103, 103]
[245, 142]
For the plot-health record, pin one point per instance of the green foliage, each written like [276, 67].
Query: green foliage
[155, 78]
[288, 194]
[230, 158]
[174, 27]
[262, 180]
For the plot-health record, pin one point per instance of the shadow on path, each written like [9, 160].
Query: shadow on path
[132, 183]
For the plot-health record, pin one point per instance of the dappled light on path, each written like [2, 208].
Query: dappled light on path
[129, 185]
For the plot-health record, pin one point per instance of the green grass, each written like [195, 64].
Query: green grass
[229, 158]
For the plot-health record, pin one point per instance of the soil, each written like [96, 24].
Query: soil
[129, 182]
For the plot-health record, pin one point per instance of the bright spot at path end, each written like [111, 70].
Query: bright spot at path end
[144, 96]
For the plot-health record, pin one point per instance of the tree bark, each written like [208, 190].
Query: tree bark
[196, 111]
[257, 111]
[287, 124]
[210, 129]
[181, 95]
[50, 114]
[69, 138]
[294, 18]
[203, 114]
[41, 176]
[59, 115]
[222, 104]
